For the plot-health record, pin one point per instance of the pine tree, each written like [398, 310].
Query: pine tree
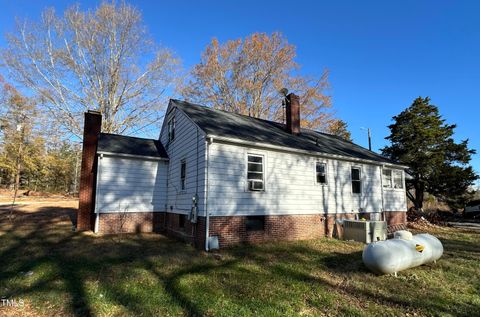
[422, 140]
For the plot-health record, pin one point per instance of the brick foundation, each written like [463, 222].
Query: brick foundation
[190, 232]
[123, 222]
[167, 223]
[396, 217]
[231, 230]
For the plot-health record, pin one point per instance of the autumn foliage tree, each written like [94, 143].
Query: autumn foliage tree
[339, 128]
[245, 76]
[19, 144]
[27, 160]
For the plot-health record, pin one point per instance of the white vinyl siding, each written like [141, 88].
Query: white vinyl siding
[188, 146]
[290, 185]
[131, 185]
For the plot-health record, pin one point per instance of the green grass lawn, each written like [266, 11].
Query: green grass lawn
[78, 274]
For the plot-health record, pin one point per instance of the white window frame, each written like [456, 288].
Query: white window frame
[171, 129]
[401, 179]
[315, 172]
[391, 186]
[359, 179]
[385, 184]
[264, 168]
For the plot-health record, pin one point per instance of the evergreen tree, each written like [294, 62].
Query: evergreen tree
[422, 140]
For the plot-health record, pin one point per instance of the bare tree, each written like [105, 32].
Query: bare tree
[102, 59]
[246, 75]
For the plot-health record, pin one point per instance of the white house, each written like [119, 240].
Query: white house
[241, 179]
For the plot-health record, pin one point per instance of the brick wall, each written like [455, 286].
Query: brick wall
[123, 222]
[232, 230]
[396, 217]
[167, 223]
[85, 216]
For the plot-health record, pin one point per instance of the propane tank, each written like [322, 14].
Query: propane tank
[395, 255]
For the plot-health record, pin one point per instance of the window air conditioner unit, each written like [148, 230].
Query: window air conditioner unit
[255, 185]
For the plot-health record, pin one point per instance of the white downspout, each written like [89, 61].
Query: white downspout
[207, 213]
[381, 185]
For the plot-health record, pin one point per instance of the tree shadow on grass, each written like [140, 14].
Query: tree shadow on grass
[44, 238]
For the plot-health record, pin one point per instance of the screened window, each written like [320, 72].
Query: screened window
[356, 182]
[255, 223]
[321, 173]
[255, 172]
[387, 178]
[183, 174]
[171, 129]
[397, 179]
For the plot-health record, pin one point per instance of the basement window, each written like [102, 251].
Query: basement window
[255, 172]
[181, 221]
[183, 174]
[356, 182]
[321, 173]
[255, 223]
[171, 129]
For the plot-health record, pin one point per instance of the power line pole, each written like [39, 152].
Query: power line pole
[369, 140]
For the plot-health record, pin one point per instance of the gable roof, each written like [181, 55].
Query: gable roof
[132, 146]
[231, 125]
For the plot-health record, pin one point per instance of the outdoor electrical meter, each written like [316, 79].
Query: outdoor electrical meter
[194, 211]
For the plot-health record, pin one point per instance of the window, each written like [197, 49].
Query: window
[392, 179]
[356, 182]
[181, 221]
[255, 223]
[171, 129]
[397, 179]
[255, 172]
[183, 174]
[320, 172]
[387, 178]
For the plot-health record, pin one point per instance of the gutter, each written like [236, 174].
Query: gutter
[381, 186]
[154, 158]
[297, 151]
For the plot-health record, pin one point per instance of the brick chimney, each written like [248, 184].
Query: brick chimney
[88, 173]
[292, 111]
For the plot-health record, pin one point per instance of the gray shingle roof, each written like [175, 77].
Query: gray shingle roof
[121, 144]
[231, 125]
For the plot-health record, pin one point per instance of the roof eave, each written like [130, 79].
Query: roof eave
[136, 156]
[313, 153]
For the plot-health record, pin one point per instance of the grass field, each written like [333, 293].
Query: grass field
[56, 272]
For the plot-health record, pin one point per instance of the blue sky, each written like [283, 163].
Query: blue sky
[380, 54]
